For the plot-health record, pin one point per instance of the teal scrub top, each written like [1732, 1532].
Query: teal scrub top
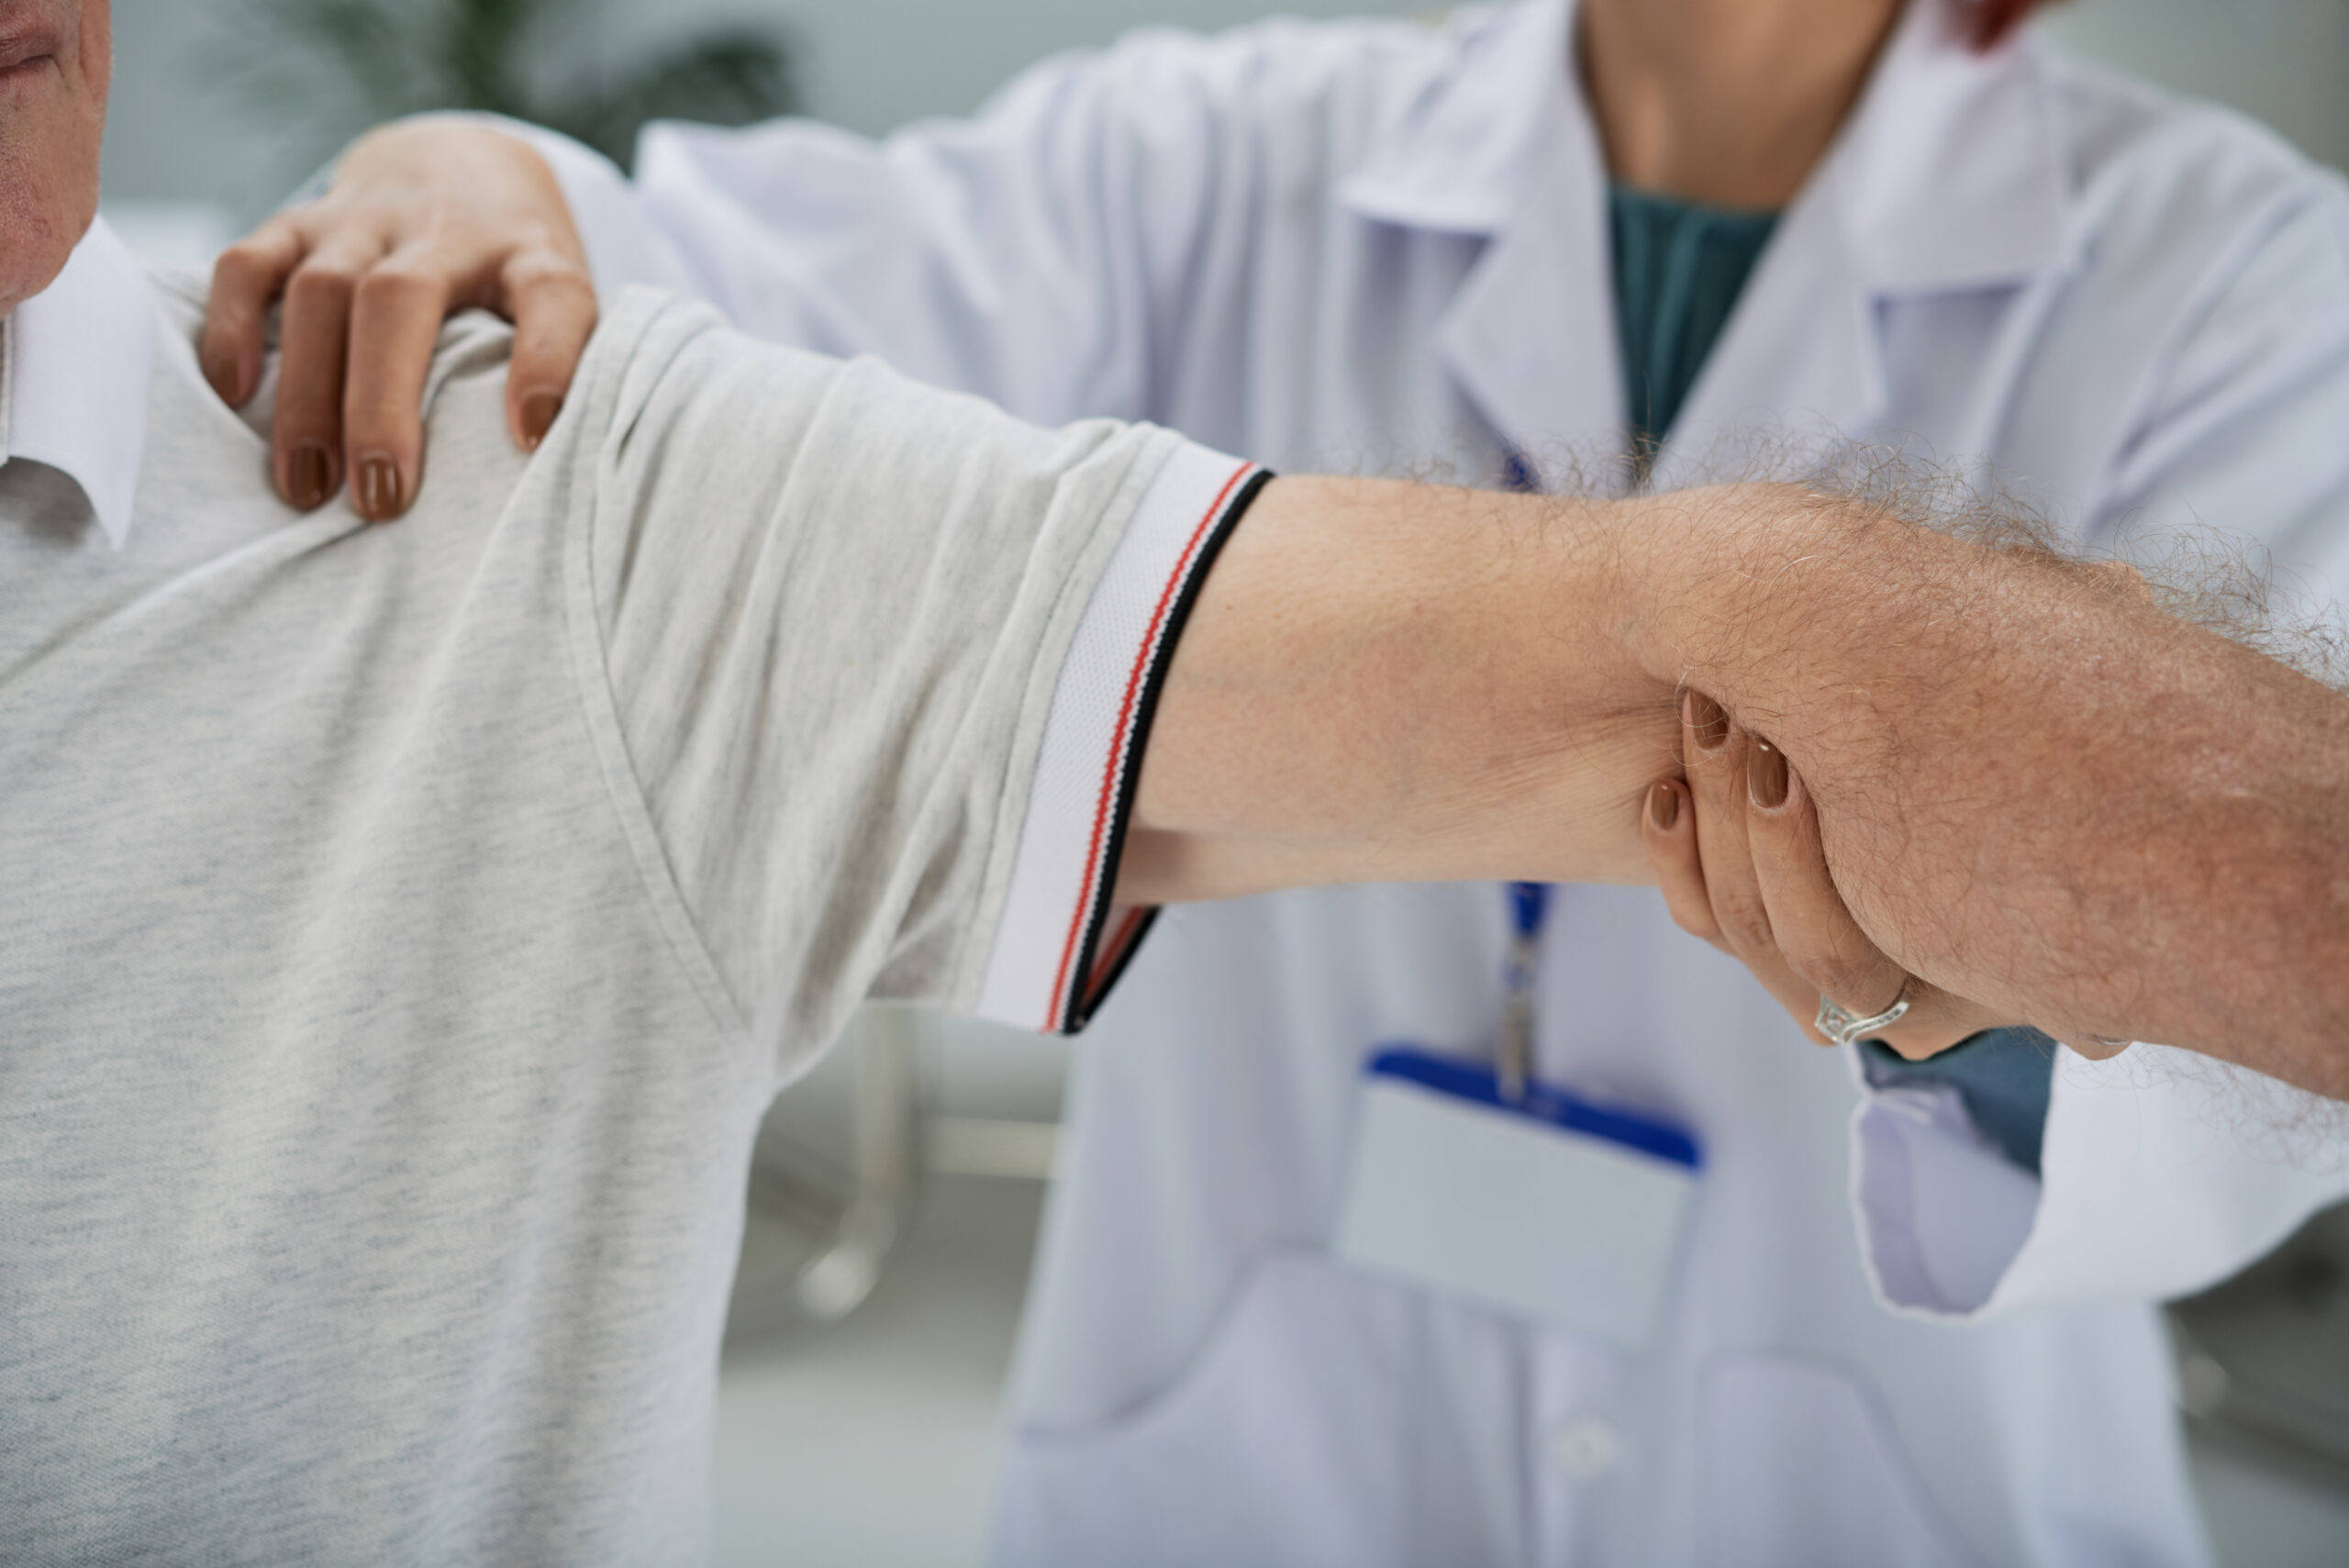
[1679, 269]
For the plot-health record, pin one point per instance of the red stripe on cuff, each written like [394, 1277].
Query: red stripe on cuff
[1123, 738]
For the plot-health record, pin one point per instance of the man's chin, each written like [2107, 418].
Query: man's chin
[37, 239]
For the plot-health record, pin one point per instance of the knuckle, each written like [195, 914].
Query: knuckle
[1747, 928]
[316, 282]
[540, 271]
[373, 405]
[1850, 982]
[534, 236]
[1851, 972]
[1697, 922]
[399, 285]
[246, 265]
[1816, 960]
[368, 415]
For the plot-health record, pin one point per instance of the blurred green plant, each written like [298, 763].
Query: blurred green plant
[345, 64]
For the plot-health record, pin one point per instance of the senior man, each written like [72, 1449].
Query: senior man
[407, 926]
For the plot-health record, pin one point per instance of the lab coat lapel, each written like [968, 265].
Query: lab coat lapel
[1531, 336]
[1799, 358]
[1949, 177]
[1504, 146]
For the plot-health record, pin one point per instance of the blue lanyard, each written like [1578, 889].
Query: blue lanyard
[1529, 908]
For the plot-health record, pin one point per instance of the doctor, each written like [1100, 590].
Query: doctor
[1908, 1316]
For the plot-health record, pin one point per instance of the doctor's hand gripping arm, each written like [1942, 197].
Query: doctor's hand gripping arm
[1735, 849]
[2151, 841]
[2074, 807]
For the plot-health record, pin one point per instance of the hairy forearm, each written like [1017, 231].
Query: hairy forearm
[2035, 787]
[1387, 682]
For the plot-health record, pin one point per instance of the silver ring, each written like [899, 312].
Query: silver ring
[1841, 1025]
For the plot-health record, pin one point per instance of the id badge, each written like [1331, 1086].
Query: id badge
[1548, 1207]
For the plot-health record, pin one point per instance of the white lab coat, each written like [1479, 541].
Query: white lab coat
[1380, 246]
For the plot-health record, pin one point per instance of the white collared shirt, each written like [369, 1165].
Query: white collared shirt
[74, 363]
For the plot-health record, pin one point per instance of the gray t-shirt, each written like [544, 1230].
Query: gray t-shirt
[405, 927]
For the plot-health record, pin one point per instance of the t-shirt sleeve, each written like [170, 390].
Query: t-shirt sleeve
[880, 664]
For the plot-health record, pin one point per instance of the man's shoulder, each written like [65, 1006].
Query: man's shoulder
[474, 345]
[641, 332]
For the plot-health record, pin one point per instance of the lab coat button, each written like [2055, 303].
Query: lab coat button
[1585, 1450]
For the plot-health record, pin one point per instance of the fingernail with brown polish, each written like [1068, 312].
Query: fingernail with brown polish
[1663, 807]
[309, 477]
[379, 488]
[1706, 719]
[539, 410]
[1765, 775]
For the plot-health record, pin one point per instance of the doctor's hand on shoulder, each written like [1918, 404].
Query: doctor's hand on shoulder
[1736, 851]
[424, 218]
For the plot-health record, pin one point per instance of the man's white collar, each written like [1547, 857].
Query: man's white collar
[74, 364]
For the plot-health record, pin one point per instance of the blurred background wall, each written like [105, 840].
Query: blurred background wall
[191, 126]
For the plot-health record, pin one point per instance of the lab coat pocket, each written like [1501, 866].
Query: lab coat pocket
[1802, 1468]
[1283, 1443]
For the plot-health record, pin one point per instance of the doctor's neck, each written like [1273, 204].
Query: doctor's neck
[1726, 102]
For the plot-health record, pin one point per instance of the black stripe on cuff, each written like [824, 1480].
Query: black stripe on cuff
[1085, 994]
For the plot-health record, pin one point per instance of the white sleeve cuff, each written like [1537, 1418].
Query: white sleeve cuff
[2162, 1173]
[2165, 1173]
[1053, 958]
[1943, 1212]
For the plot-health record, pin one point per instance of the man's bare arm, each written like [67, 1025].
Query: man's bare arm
[2035, 788]
[1387, 682]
